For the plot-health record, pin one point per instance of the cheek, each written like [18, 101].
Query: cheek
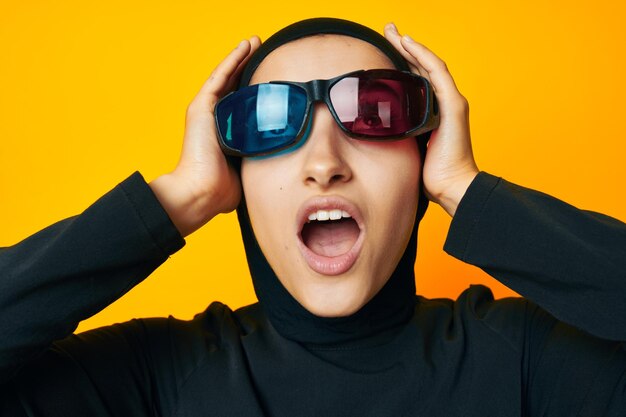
[270, 198]
[265, 191]
[258, 188]
[393, 190]
[395, 170]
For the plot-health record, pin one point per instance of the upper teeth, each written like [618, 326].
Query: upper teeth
[322, 215]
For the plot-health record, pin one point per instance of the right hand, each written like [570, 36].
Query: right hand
[203, 184]
[449, 166]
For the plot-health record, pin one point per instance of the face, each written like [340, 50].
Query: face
[331, 267]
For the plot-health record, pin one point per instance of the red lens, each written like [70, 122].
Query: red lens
[379, 104]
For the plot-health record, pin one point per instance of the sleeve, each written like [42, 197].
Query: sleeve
[72, 269]
[570, 265]
[104, 372]
[570, 262]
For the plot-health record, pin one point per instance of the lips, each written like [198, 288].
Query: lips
[330, 234]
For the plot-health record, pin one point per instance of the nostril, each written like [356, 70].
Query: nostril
[327, 180]
[336, 178]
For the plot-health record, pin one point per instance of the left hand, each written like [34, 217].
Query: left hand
[449, 167]
[203, 183]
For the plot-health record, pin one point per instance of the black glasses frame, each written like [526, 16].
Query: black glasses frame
[319, 91]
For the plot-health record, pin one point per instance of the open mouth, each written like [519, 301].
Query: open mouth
[330, 234]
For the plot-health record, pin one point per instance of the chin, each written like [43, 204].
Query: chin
[327, 310]
[333, 302]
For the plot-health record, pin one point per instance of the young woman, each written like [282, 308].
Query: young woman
[335, 178]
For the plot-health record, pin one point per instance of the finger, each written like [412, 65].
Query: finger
[422, 72]
[216, 83]
[440, 77]
[255, 42]
[392, 35]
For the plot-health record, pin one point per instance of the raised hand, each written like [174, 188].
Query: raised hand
[203, 184]
[449, 167]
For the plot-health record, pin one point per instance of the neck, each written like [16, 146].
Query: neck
[391, 307]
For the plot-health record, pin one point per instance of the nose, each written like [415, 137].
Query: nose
[325, 158]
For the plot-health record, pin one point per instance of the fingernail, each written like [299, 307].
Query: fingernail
[408, 39]
[242, 43]
[391, 26]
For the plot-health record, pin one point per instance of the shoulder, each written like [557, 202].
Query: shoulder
[209, 330]
[476, 303]
[217, 322]
[177, 348]
[476, 312]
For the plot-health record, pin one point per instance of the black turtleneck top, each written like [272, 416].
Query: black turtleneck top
[558, 351]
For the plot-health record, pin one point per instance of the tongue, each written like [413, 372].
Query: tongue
[330, 238]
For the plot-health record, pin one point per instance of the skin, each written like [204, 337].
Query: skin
[330, 163]
[203, 185]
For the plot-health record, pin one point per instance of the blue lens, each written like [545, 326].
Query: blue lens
[261, 118]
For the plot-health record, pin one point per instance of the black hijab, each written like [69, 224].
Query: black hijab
[394, 304]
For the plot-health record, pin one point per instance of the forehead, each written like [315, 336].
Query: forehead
[319, 57]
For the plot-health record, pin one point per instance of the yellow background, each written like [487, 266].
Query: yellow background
[92, 91]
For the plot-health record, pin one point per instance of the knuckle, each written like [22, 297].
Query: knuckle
[216, 77]
[463, 103]
[459, 105]
[192, 109]
[440, 65]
